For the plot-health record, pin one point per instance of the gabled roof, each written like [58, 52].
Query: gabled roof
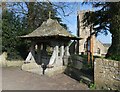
[50, 28]
[107, 44]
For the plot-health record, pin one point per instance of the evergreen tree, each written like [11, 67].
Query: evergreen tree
[15, 24]
[106, 17]
[11, 28]
[39, 12]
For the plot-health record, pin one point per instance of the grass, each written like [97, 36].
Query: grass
[92, 86]
[81, 81]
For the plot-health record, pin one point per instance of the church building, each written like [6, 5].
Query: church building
[99, 49]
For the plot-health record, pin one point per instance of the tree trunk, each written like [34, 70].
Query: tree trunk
[115, 47]
[114, 50]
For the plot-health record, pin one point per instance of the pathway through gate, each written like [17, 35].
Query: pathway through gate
[16, 79]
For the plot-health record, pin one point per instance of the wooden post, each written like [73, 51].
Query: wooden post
[78, 34]
[44, 46]
[39, 53]
[92, 44]
[88, 49]
[88, 57]
[90, 54]
[92, 49]
[33, 49]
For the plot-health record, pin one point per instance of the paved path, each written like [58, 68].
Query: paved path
[16, 79]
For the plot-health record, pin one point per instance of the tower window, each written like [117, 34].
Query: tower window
[98, 51]
[85, 45]
[88, 45]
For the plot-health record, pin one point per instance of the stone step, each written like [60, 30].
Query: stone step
[55, 70]
[35, 68]
[86, 80]
[30, 66]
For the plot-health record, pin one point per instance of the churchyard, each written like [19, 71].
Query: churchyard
[39, 52]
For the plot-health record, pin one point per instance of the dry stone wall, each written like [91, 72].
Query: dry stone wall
[6, 63]
[107, 74]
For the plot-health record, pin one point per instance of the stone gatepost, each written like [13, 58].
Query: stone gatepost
[66, 55]
[62, 53]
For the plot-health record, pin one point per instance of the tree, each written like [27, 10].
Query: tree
[20, 22]
[11, 28]
[106, 17]
[39, 12]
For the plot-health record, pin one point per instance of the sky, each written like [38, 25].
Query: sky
[71, 22]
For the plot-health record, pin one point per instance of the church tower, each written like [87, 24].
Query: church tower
[88, 44]
[83, 44]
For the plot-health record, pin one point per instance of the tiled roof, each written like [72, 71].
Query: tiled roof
[50, 28]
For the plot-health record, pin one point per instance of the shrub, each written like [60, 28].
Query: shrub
[115, 57]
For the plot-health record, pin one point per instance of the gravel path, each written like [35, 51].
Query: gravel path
[16, 79]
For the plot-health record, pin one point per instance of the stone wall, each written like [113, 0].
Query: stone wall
[7, 63]
[107, 74]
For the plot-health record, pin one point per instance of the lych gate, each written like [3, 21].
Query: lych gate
[49, 45]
